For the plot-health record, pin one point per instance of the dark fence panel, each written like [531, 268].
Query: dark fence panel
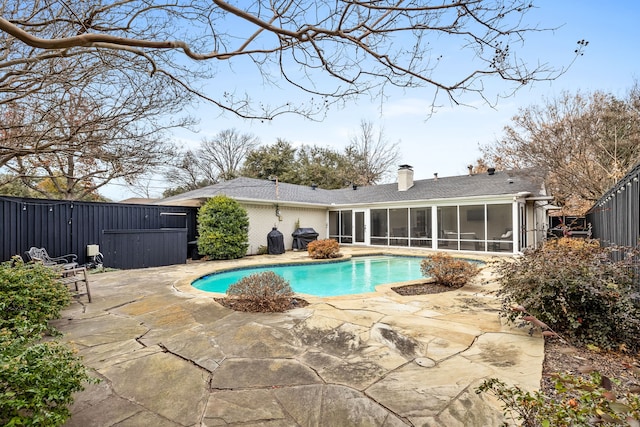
[128, 249]
[615, 218]
[64, 227]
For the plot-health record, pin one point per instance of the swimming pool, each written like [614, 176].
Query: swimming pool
[354, 276]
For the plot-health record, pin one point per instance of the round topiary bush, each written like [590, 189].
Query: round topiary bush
[223, 229]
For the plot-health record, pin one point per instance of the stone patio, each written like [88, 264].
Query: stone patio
[169, 355]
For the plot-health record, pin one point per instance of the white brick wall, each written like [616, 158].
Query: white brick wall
[262, 218]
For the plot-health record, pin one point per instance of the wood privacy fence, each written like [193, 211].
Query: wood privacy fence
[133, 236]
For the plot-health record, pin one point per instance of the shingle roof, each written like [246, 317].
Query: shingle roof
[248, 189]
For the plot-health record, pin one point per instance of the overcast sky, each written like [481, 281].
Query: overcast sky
[448, 141]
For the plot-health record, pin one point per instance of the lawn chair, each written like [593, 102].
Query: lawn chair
[65, 262]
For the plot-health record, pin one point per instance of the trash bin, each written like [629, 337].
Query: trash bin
[275, 242]
[302, 237]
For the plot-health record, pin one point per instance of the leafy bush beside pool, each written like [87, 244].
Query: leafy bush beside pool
[223, 229]
[577, 290]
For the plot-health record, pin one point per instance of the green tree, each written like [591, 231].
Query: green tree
[277, 160]
[322, 166]
[223, 229]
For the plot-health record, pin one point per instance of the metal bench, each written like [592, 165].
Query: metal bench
[65, 262]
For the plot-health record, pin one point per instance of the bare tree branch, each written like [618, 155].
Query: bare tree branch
[328, 49]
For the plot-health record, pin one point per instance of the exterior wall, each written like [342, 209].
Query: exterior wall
[262, 218]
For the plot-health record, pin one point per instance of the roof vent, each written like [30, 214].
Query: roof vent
[491, 171]
[470, 167]
[314, 186]
[435, 176]
[510, 180]
[355, 186]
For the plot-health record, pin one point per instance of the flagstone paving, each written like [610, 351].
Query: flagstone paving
[169, 355]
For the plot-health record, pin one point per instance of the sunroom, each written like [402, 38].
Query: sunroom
[497, 223]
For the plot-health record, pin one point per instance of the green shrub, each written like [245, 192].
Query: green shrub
[29, 297]
[324, 249]
[223, 229]
[447, 270]
[575, 289]
[581, 402]
[265, 291]
[37, 379]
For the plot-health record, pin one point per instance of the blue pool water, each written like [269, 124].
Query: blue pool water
[355, 276]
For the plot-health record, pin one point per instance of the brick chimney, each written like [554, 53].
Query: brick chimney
[405, 177]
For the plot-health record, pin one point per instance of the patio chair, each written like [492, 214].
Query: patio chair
[66, 262]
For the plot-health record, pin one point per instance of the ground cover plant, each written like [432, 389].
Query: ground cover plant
[580, 401]
[223, 229]
[324, 249]
[261, 292]
[37, 377]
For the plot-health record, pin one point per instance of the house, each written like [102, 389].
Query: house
[497, 211]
